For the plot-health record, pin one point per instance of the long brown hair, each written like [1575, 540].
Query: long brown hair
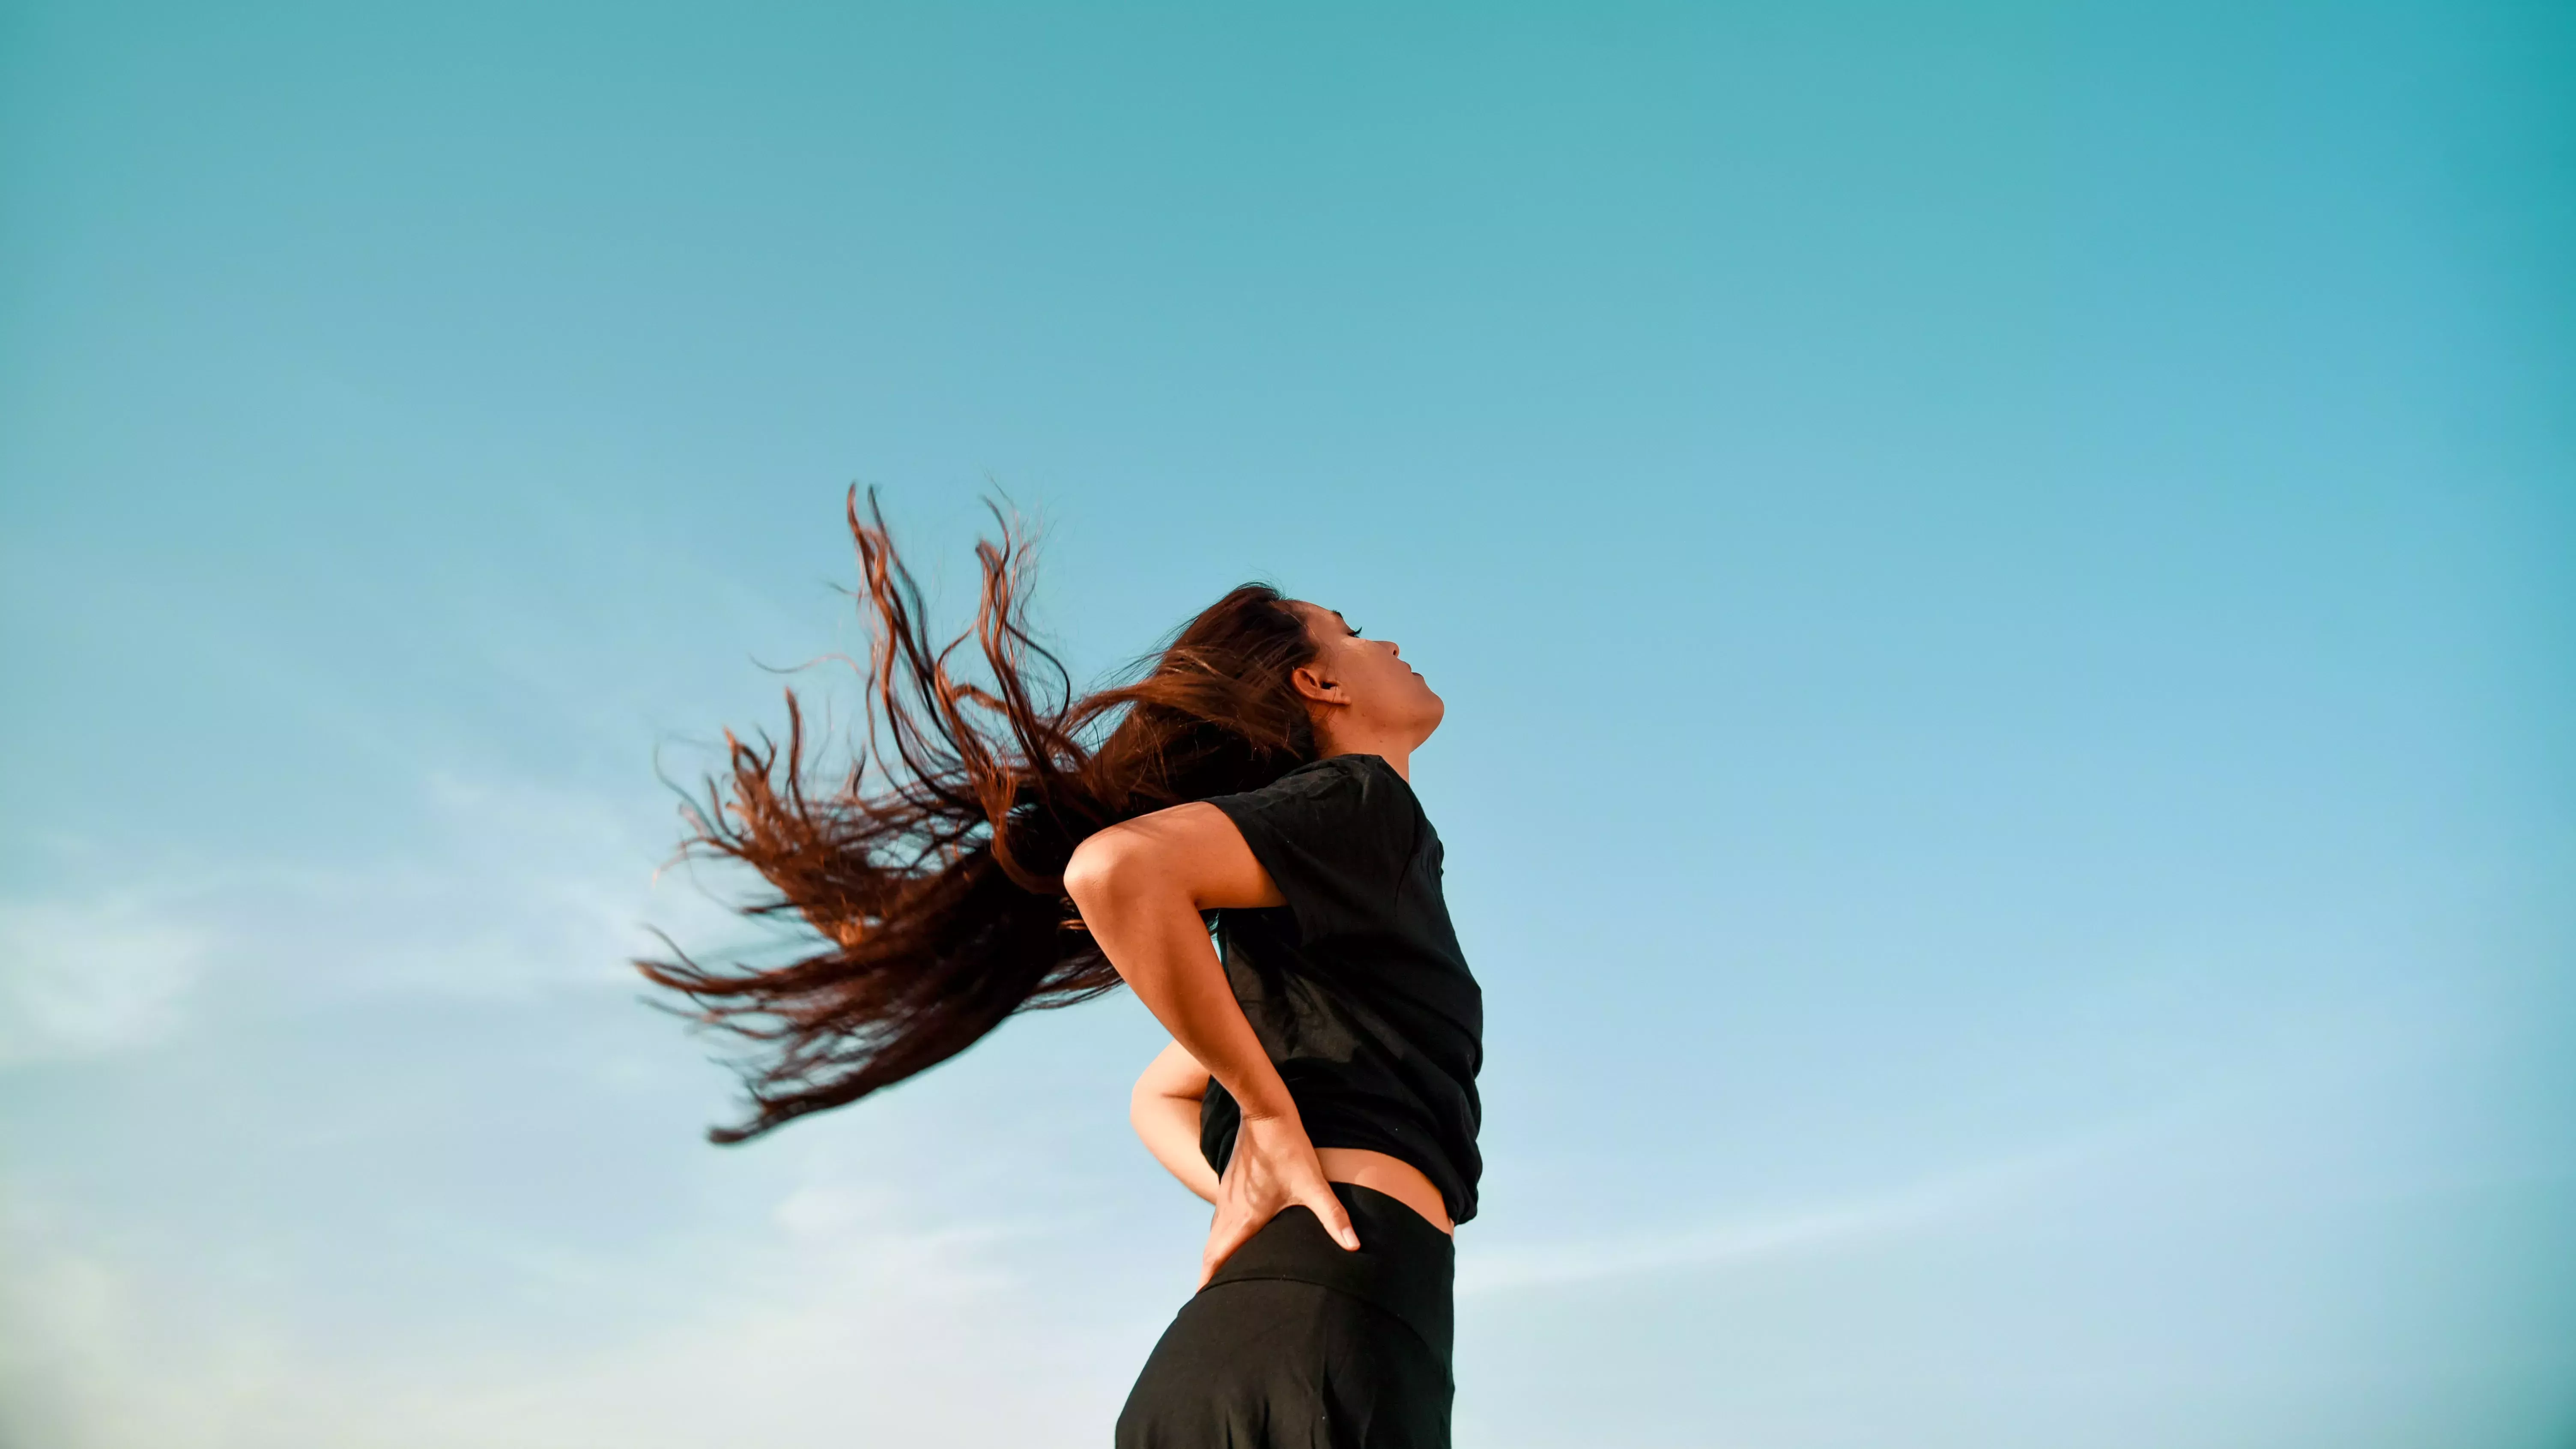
[933, 867]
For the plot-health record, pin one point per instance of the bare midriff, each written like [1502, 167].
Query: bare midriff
[1393, 1176]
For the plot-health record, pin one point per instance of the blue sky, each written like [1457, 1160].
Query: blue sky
[2005, 577]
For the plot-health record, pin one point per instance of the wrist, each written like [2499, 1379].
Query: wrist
[1272, 1118]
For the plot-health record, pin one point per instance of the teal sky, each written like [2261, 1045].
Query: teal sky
[2005, 577]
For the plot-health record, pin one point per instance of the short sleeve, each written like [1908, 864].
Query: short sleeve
[1335, 837]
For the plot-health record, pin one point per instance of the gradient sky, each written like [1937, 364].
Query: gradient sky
[2005, 577]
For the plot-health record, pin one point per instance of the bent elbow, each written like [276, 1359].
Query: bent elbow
[1142, 1106]
[1101, 868]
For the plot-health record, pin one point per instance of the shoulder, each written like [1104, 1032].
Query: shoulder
[1336, 806]
[1345, 782]
[1337, 836]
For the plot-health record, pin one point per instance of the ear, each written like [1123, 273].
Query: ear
[1315, 688]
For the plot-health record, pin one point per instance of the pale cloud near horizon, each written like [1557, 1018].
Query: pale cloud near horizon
[852, 1302]
[861, 1307]
[847, 1309]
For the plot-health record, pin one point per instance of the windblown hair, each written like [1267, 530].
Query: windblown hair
[933, 866]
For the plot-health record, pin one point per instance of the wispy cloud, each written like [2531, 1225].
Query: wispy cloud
[853, 1302]
[1906, 1207]
[84, 976]
[517, 890]
[2284, 1072]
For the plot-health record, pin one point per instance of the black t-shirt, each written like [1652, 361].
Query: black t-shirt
[1356, 986]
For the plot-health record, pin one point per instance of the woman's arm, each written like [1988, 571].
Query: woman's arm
[1140, 887]
[1165, 1111]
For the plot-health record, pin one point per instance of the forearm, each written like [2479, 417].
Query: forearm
[1152, 935]
[1169, 1128]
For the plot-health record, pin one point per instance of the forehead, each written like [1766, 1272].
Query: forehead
[1319, 617]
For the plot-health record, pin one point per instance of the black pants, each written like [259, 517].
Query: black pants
[1300, 1344]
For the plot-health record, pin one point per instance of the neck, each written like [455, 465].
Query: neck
[1394, 749]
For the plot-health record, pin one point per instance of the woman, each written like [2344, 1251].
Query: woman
[1319, 1090]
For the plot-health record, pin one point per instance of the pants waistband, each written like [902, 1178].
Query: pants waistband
[1404, 1264]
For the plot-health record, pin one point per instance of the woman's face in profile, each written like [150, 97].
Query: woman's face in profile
[1376, 684]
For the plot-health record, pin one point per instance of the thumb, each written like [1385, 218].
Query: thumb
[1337, 1221]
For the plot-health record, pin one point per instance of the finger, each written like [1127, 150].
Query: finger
[1336, 1219]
